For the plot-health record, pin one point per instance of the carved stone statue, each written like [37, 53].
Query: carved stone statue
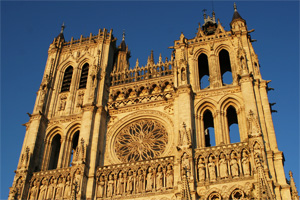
[159, 179]
[67, 193]
[184, 136]
[253, 125]
[212, 169]
[101, 185]
[33, 191]
[186, 166]
[80, 100]
[59, 189]
[25, 158]
[245, 164]
[129, 188]
[121, 184]
[139, 182]
[43, 190]
[234, 166]
[110, 186]
[77, 181]
[62, 103]
[149, 186]
[223, 167]
[170, 177]
[50, 191]
[201, 170]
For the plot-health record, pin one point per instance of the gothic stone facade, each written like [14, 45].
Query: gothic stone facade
[101, 130]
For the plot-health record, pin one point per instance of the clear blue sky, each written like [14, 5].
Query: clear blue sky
[28, 28]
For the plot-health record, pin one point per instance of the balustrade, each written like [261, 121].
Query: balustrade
[142, 73]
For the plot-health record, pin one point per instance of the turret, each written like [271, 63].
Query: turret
[237, 23]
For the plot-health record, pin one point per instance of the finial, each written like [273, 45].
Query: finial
[204, 14]
[123, 38]
[62, 27]
[234, 6]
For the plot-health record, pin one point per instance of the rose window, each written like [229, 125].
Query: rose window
[141, 140]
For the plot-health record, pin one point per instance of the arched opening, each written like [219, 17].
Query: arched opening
[84, 76]
[67, 79]
[225, 67]
[209, 131]
[203, 69]
[55, 148]
[233, 127]
[74, 146]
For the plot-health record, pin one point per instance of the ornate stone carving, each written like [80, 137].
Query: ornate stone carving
[62, 103]
[135, 179]
[184, 136]
[141, 140]
[253, 125]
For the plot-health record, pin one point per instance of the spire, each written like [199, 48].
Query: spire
[123, 44]
[236, 15]
[123, 37]
[62, 27]
[61, 34]
[151, 58]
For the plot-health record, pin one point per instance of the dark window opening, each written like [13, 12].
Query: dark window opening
[55, 148]
[203, 71]
[233, 127]
[225, 66]
[84, 76]
[209, 131]
[74, 146]
[67, 79]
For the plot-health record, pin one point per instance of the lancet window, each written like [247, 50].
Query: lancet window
[67, 79]
[209, 131]
[84, 76]
[232, 123]
[226, 71]
[55, 149]
[203, 71]
[74, 146]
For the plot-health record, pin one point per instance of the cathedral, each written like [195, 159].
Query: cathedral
[163, 131]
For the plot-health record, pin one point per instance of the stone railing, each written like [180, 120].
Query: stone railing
[64, 183]
[142, 73]
[135, 179]
[222, 163]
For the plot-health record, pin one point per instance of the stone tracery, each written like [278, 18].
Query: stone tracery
[141, 140]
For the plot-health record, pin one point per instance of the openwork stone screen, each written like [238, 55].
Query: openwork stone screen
[141, 140]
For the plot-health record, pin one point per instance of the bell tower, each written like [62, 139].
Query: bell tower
[197, 125]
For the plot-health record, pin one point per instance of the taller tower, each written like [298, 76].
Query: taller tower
[102, 130]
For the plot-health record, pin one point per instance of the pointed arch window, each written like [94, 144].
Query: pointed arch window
[67, 79]
[209, 130]
[203, 69]
[233, 128]
[225, 66]
[84, 76]
[74, 146]
[55, 149]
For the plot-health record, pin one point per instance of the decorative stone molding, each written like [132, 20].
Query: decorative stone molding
[135, 179]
